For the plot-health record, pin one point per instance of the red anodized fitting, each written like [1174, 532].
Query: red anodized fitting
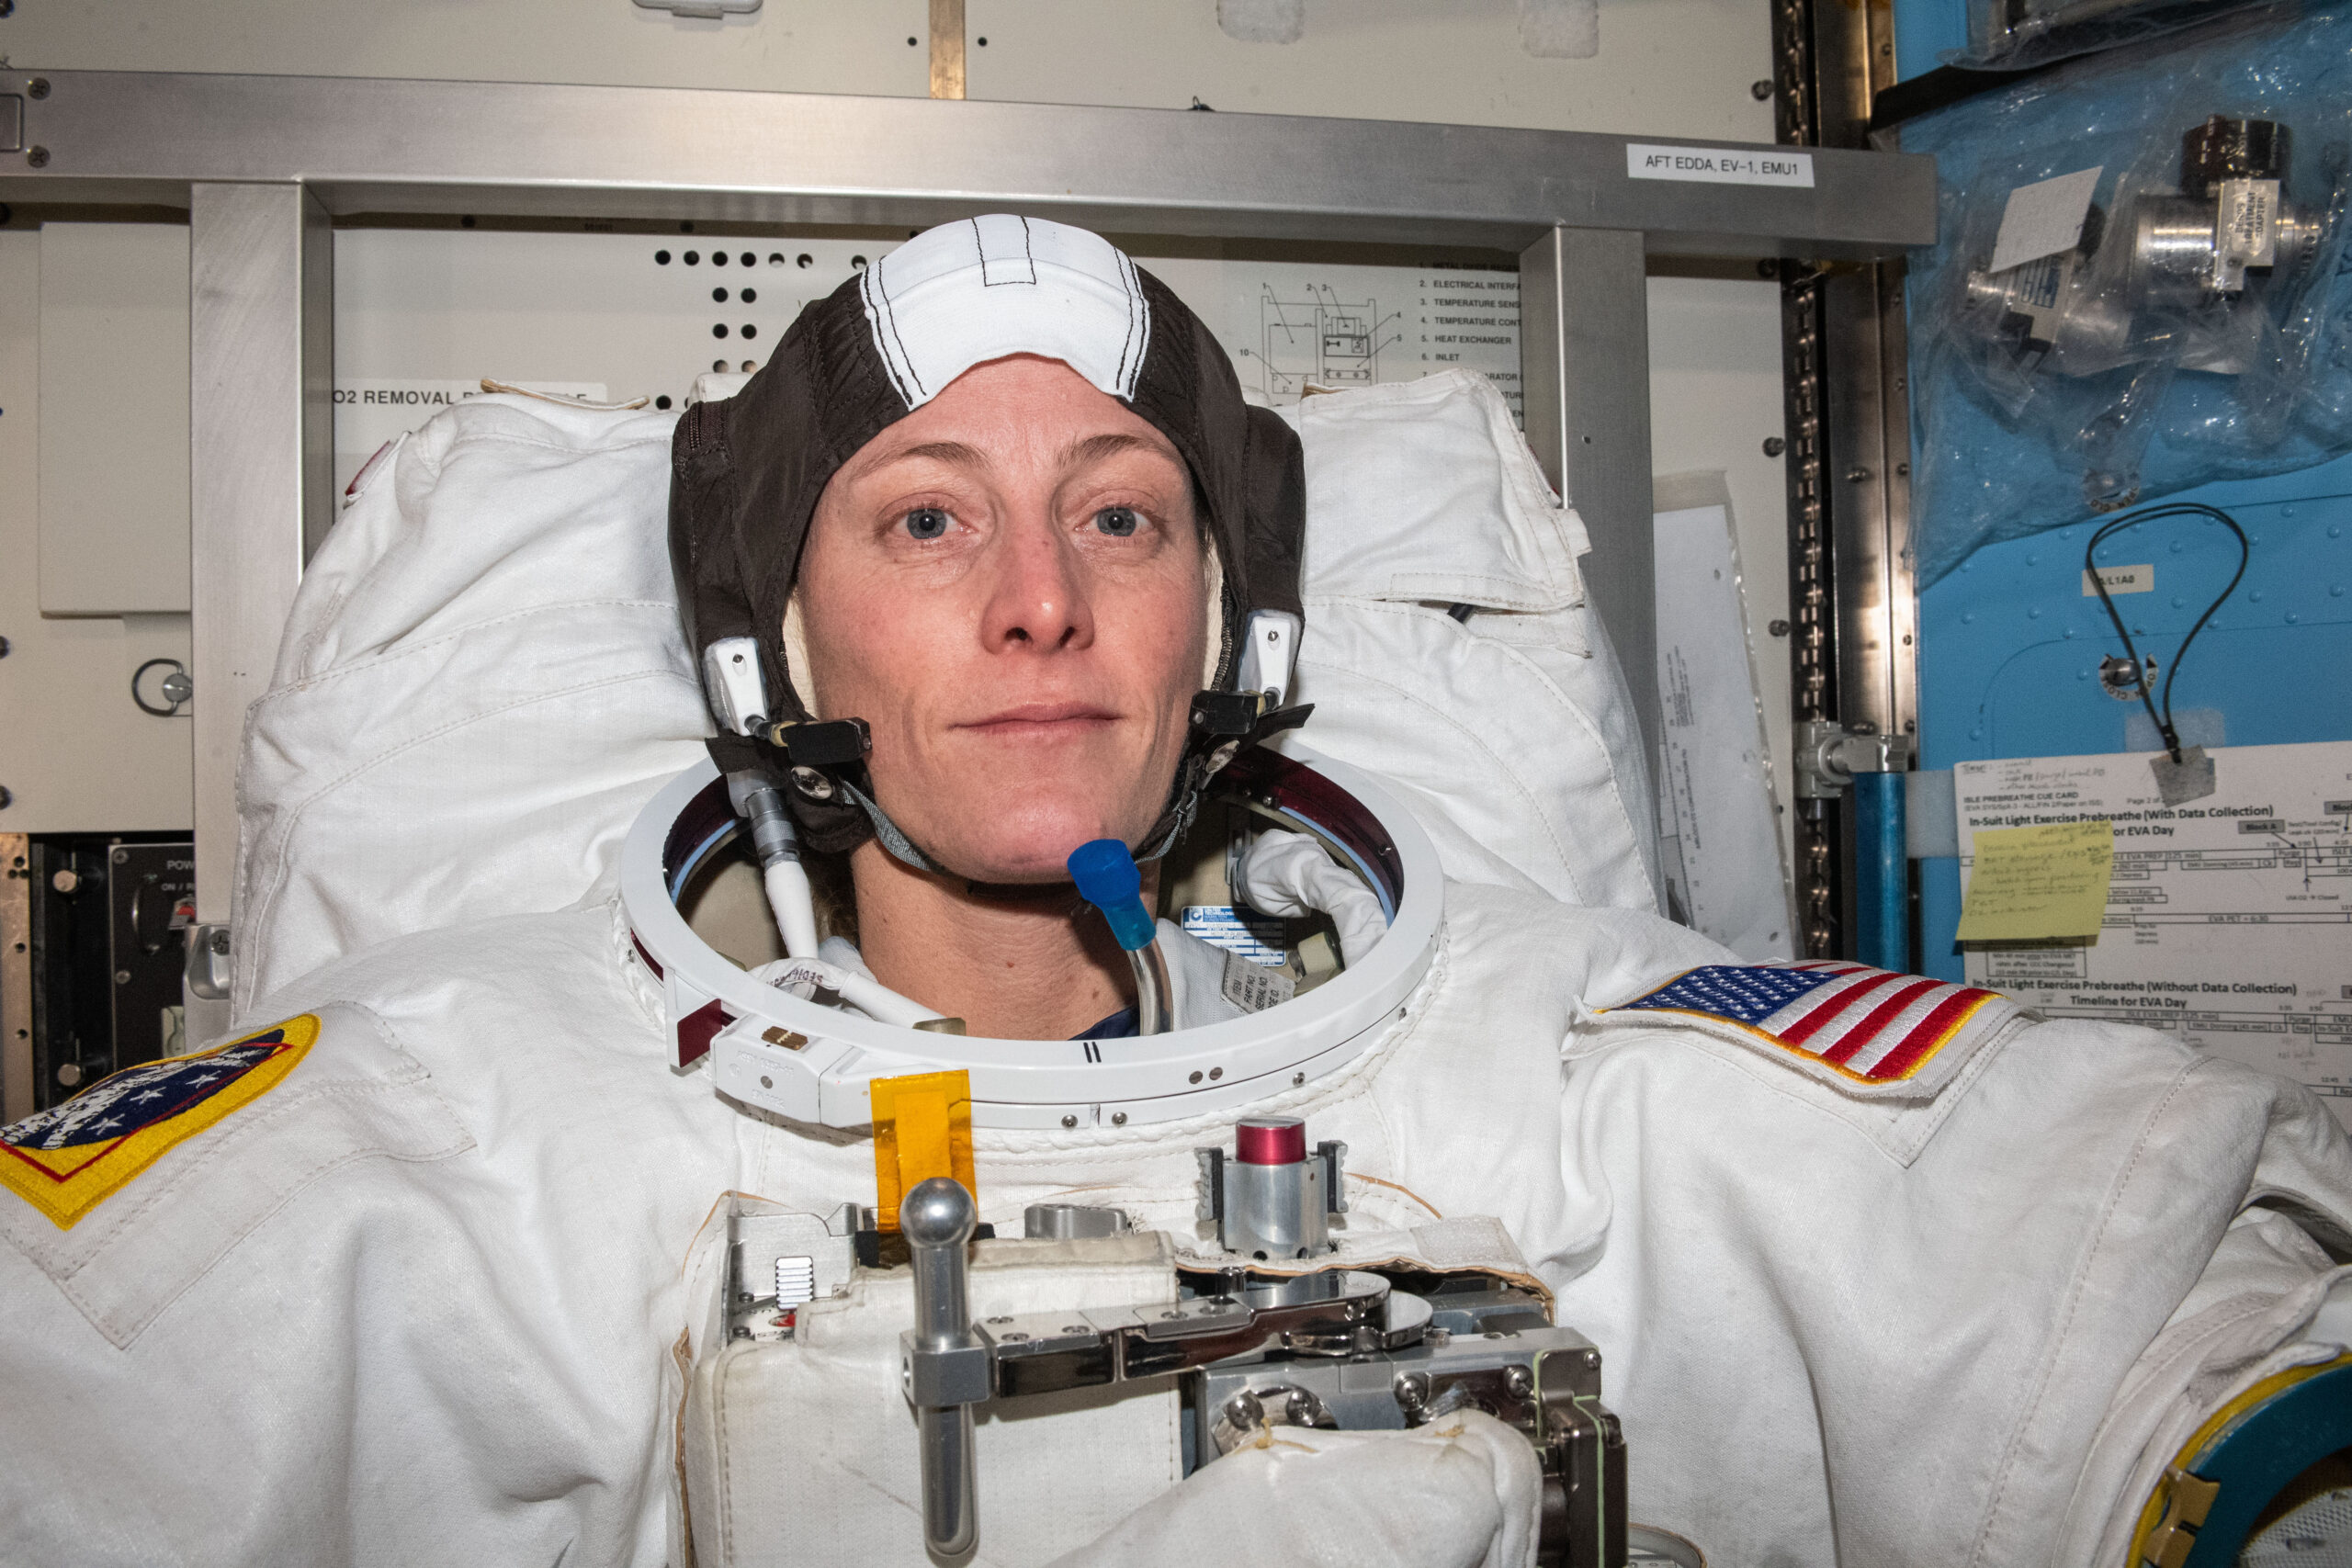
[1269, 1140]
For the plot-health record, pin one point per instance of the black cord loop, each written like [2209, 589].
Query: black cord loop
[2139, 666]
[171, 711]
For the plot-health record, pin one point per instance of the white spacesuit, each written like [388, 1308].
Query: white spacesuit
[419, 1268]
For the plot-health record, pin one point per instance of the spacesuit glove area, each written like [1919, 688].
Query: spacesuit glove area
[1463, 1492]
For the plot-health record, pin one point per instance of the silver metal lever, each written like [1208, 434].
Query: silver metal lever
[944, 1368]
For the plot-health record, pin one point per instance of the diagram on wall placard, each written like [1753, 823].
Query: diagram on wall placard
[1313, 337]
[2229, 919]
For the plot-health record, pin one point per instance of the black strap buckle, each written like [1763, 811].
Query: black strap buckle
[829, 743]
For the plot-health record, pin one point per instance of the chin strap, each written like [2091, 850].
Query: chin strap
[825, 762]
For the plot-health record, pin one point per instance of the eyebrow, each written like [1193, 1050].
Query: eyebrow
[1094, 448]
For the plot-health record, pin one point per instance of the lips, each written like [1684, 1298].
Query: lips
[1041, 720]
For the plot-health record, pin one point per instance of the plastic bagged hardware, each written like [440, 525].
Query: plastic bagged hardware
[2197, 327]
[2011, 35]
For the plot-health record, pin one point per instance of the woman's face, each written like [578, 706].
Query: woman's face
[1010, 586]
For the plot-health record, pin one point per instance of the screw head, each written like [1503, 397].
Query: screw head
[1244, 1410]
[1774, 446]
[1118, 1119]
[65, 881]
[122, 976]
[39, 87]
[38, 157]
[4, 648]
[1069, 1121]
[1412, 1388]
[70, 1073]
[1760, 89]
[1519, 1381]
[121, 857]
[6, 800]
[1777, 629]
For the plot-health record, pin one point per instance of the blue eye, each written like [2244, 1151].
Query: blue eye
[926, 522]
[1119, 522]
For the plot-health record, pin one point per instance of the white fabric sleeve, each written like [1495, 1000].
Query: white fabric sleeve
[1288, 875]
[1465, 1492]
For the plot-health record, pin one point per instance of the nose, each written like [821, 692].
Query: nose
[1038, 598]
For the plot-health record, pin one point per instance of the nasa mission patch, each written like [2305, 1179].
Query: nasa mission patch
[67, 1160]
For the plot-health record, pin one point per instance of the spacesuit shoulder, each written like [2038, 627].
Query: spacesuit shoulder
[1868, 1033]
[130, 1191]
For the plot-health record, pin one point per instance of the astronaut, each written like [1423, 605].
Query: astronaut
[1883, 1270]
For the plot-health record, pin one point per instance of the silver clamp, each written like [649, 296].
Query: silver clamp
[1829, 755]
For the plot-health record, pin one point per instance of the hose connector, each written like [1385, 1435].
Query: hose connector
[1107, 878]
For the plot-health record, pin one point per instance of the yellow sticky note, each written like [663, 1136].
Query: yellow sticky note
[2031, 884]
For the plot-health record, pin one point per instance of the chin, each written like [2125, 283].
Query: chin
[1029, 838]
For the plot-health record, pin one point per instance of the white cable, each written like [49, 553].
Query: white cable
[794, 910]
[1289, 875]
[870, 996]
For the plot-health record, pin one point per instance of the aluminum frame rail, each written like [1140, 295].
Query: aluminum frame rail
[266, 163]
[1854, 659]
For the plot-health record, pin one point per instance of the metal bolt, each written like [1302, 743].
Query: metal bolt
[1519, 1381]
[220, 940]
[65, 881]
[1000, 1320]
[1296, 1080]
[38, 88]
[1592, 1360]
[1118, 1119]
[1412, 1389]
[1777, 629]
[1760, 89]
[122, 976]
[1244, 1410]
[740, 1332]
[1215, 1073]
[38, 157]
[1016, 1338]
[1904, 469]
[1299, 1408]
[1195, 1078]
[1074, 1328]
[70, 1073]
[1774, 446]
[122, 857]
[1069, 1121]
[745, 1297]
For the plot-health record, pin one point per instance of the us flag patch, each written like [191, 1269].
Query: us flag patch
[1869, 1027]
[67, 1160]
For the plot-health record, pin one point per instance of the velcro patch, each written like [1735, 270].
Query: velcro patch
[1868, 1029]
[67, 1160]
